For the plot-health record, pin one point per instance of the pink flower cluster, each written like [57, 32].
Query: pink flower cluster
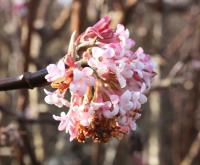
[107, 81]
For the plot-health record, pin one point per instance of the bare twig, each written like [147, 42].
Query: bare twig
[180, 38]
[49, 33]
[43, 10]
[176, 7]
[61, 21]
[78, 18]
[193, 151]
[166, 83]
[23, 99]
[129, 11]
[27, 80]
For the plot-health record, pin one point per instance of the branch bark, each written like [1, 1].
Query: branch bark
[26, 81]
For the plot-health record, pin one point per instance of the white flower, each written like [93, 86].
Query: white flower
[55, 71]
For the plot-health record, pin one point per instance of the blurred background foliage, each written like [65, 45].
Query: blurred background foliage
[34, 33]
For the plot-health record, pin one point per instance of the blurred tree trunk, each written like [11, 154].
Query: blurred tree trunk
[98, 154]
[166, 104]
[79, 15]
[23, 100]
[178, 107]
[122, 156]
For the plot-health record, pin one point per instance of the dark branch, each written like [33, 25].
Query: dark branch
[26, 81]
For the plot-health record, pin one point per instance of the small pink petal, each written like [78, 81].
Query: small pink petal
[87, 71]
[133, 125]
[77, 75]
[114, 99]
[122, 80]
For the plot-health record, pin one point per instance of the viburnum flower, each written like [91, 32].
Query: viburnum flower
[107, 81]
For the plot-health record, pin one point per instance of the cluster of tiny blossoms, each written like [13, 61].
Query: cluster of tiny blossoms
[107, 82]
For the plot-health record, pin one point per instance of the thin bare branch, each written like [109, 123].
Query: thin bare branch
[26, 81]
[193, 151]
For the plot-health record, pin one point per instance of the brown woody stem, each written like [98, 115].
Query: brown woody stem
[25, 81]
